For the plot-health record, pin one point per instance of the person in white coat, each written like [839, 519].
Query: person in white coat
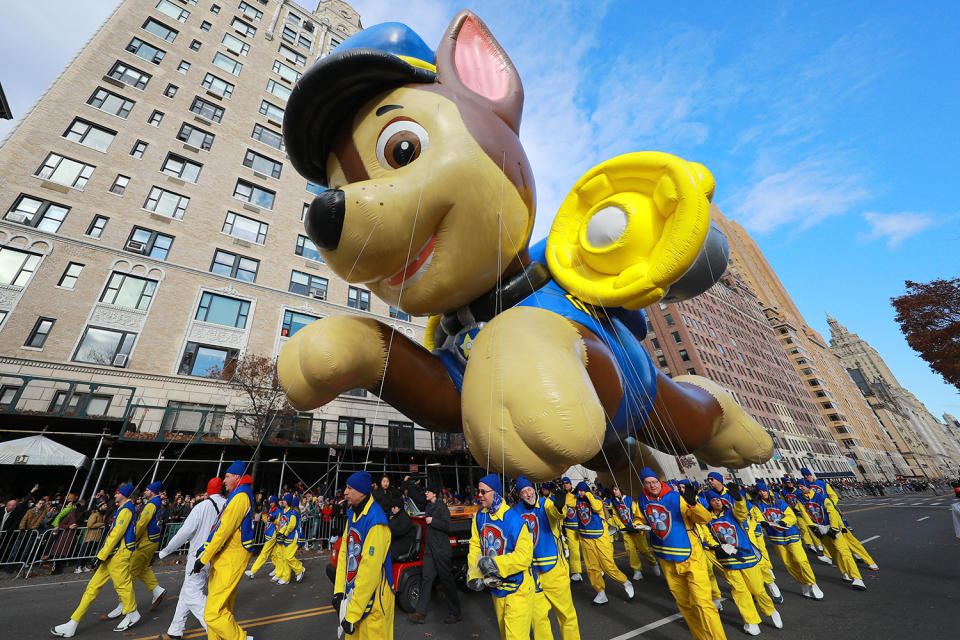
[196, 528]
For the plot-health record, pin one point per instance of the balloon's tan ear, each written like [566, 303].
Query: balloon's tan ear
[472, 63]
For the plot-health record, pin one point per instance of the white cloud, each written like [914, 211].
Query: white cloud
[896, 227]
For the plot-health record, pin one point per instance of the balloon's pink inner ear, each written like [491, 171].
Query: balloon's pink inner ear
[480, 66]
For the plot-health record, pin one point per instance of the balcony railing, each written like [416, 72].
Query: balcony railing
[56, 397]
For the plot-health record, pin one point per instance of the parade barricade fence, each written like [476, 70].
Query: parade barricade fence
[16, 547]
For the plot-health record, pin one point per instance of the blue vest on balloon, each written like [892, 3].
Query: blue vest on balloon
[668, 535]
[774, 510]
[153, 527]
[498, 536]
[351, 549]
[727, 530]
[130, 535]
[589, 522]
[246, 524]
[271, 529]
[545, 554]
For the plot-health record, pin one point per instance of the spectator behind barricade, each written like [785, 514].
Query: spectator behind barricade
[66, 521]
[412, 490]
[33, 518]
[385, 494]
[14, 510]
[91, 540]
[402, 533]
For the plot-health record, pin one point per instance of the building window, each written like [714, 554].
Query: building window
[205, 26]
[334, 43]
[17, 266]
[234, 265]
[180, 167]
[306, 284]
[307, 249]
[227, 63]
[139, 147]
[215, 8]
[251, 12]
[243, 28]
[97, 225]
[305, 42]
[218, 86]
[684, 355]
[399, 315]
[190, 417]
[172, 10]
[149, 243]
[287, 73]
[111, 103]
[235, 45]
[217, 309]
[692, 372]
[105, 346]
[160, 30]
[279, 90]
[293, 19]
[33, 212]
[129, 75]
[155, 118]
[662, 361]
[65, 171]
[195, 45]
[293, 322]
[676, 337]
[119, 184]
[245, 228]
[249, 192]
[656, 343]
[195, 137]
[166, 203]
[291, 55]
[170, 91]
[146, 51]
[303, 212]
[38, 335]
[206, 109]
[124, 290]
[205, 360]
[183, 67]
[289, 34]
[89, 134]
[272, 111]
[70, 275]
[267, 136]
[262, 163]
[91, 405]
[668, 319]
[358, 299]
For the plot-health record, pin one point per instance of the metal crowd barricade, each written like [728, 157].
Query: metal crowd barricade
[63, 545]
[16, 547]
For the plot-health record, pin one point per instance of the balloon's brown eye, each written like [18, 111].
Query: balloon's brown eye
[400, 143]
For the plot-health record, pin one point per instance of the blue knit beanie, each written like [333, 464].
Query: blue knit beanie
[238, 468]
[647, 472]
[583, 486]
[155, 487]
[288, 498]
[762, 486]
[295, 502]
[523, 483]
[710, 495]
[566, 480]
[126, 490]
[805, 472]
[716, 476]
[360, 481]
[272, 499]
[492, 480]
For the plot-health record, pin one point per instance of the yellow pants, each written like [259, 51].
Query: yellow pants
[140, 565]
[541, 617]
[226, 569]
[515, 611]
[636, 546]
[712, 567]
[117, 570]
[378, 625]
[289, 565]
[766, 567]
[265, 553]
[809, 540]
[840, 552]
[598, 556]
[857, 547]
[747, 585]
[690, 585]
[795, 559]
[573, 545]
[555, 585]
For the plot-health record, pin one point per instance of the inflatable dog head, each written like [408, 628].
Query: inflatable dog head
[430, 196]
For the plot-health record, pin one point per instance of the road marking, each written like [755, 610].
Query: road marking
[923, 518]
[256, 622]
[869, 539]
[919, 504]
[648, 627]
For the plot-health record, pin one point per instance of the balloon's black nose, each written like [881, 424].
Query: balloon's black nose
[324, 220]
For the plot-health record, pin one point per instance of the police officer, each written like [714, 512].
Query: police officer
[363, 588]
[436, 560]
[270, 542]
[597, 545]
[114, 558]
[571, 530]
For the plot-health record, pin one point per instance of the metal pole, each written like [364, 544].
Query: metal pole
[153, 476]
[283, 466]
[93, 463]
[456, 467]
[96, 485]
[220, 464]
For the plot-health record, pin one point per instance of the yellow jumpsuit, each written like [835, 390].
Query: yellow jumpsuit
[555, 589]
[267, 552]
[598, 552]
[838, 548]
[756, 537]
[370, 583]
[634, 543]
[746, 585]
[572, 535]
[116, 568]
[227, 558]
[689, 580]
[855, 545]
[514, 611]
[289, 565]
[792, 555]
[141, 557]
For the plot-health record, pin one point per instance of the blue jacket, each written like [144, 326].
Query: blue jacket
[545, 550]
[668, 535]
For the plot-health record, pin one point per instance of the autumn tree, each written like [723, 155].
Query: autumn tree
[929, 315]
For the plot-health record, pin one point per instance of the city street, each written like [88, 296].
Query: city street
[914, 595]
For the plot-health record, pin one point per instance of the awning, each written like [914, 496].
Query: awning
[836, 474]
[40, 450]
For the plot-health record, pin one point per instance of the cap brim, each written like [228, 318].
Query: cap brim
[330, 92]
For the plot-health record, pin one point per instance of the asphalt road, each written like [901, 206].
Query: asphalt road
[914, 595]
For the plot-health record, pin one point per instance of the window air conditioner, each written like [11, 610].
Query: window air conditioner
[136, 245]
[17, 217]
[319, 295]
[120, 360]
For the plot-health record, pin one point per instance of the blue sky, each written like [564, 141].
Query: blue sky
[831, 128]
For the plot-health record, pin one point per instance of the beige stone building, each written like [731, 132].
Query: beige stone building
[151, 230]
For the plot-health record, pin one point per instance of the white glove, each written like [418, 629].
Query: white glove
[823, 528]
[729, 549]
[162, 555]
[643, 527]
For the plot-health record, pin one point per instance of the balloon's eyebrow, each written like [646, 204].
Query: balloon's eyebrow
[388, 107]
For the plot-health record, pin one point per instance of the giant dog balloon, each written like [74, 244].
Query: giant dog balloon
[533, 352]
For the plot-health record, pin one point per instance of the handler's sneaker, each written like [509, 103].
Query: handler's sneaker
[282, 582]
[638, 575]
[601, 598]
[128, 621]
[248, 573]
[775, 592]
[752, 629]
[65, 630]
[815, 590]
[873, 567]
[824, 559]
[846, 577]
[628, 587]
[776, 619]
[300, 575]
[158, 594]
[576, 577]
[858, 584]
[113, 615]
[655, 570]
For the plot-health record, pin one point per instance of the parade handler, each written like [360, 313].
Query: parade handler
[270, 543]
[114, 558]
[365, 572]
[148, 539]
[227, 551]
[196, 528]
[571, 531]
[597, 546]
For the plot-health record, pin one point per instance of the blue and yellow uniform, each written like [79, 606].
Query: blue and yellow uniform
[785, 540]
[828, 522]
[571, 530]
[792, 496]
[148, 539]
[595, 541]
[270, 539]
[624, 511]
[856, 547]
[289, 541]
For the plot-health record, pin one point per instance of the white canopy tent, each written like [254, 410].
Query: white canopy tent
[40, 450]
